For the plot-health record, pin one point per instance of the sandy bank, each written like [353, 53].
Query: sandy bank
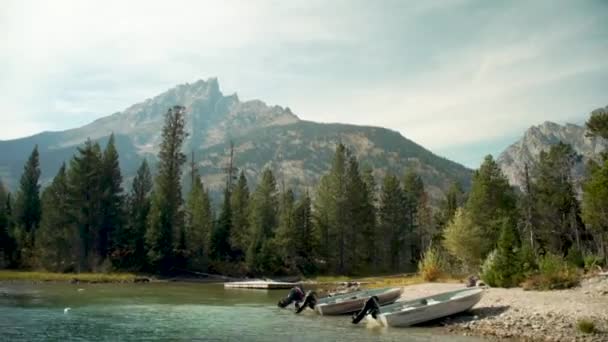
[529, 315]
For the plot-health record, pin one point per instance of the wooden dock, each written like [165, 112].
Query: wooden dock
[259, 284]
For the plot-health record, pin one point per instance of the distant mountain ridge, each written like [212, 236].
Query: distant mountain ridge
[299, 152]
[540, 138]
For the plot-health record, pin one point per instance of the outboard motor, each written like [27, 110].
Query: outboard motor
[371, 306]
[296, 295]
[309, 301]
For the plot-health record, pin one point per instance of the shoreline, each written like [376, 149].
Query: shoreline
[527, 315]
[501, 314]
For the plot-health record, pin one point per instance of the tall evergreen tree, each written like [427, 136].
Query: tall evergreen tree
[427, 231]
[239, 232]
[27, 204]
[393, 229]
[286, 235]
[112, 202]
[595, 207]
[84, 202]
[7, 244]
[413, 191]
[27, 210]
[261, 256]
[199, 224]
[528, 214]
[595, 189]
[305, 239]
[338, 228]
[358, 221]
[129, 248]
[166, 219]
[555, 200]
[490, 202]
[340, 202]
[323, 220]
[367, 216]
[454, 199]
[57, 238]
[220, 237]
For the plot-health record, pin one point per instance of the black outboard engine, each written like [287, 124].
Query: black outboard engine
[296, 295]
[309, 301]
[371, 306]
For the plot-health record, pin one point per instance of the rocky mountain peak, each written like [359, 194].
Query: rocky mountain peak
[541, 138]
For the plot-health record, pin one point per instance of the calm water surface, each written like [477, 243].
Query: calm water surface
[174, 311]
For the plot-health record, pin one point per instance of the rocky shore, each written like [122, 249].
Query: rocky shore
[529, 315]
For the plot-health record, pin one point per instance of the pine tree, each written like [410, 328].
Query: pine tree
[338, 228]
[305, 241]
[239, 232]
[27, 203]
[358, 221]
[166, 221]
[527, 209]
[413, 191]
[490, 202]
[323, 220]
[129, 248]
[57, 238]
[220, 237]
[112, 202]
[463, 238]
[597, 125]
[559, 223]
[454, 199]
[261, 258]
[286, 235]
[84, 202]
[595, 207]
[28, 209]
[199, 224]
[427, 230]
[393, 229]
[7, 244]
[367, 216]
[508, 262]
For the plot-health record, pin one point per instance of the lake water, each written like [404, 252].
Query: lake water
[177, 312]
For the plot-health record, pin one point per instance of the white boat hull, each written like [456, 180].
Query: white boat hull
[415, 314]
[349, 305]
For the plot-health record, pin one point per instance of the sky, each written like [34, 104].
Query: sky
[462, 78]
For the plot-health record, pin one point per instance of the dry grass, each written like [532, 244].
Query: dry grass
[7, 275]
[383, 281]
[585, 326]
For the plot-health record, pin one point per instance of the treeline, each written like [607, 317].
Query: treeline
[543, 234]
[351, 224]
[85, 221]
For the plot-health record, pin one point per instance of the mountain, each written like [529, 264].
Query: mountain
[541, 138]
[264, 136]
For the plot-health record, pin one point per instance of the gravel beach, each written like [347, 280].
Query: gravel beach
[528, 315]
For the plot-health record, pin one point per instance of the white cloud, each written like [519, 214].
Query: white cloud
[443, 73]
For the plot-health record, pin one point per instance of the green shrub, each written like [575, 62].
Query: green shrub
[592, 262]
[430, 266]
[585, 326]
[488, 269]
[553, 273]
[575, 257]
[527, 258]
[463, 239]
[502, 267]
